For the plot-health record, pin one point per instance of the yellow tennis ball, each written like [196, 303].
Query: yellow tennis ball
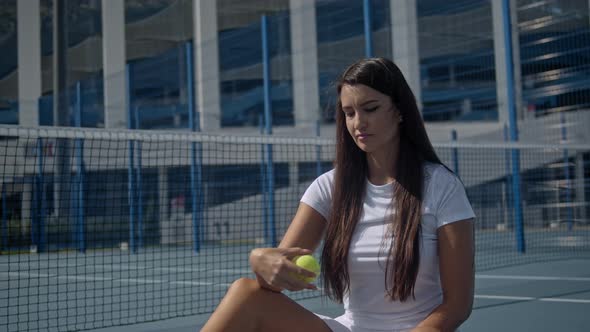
[309, 263]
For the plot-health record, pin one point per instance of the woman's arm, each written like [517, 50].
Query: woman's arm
[273, 267]
[456, 249]
[306, 230]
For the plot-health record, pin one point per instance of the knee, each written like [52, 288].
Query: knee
[244, 287]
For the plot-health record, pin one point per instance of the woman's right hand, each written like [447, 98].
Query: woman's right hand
[276, 271]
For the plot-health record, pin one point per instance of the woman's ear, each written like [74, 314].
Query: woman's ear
[397, 115]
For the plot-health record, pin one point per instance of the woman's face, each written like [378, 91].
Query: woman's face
[371, 118]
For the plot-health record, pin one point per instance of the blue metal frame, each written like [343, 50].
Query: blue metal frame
[566, 170]
[130, 168]
[513, 125]
[318, 150]
[268, 127]
[39, 206]
[4, 219]
[263, 177]
[455, 153]
[139, 191]
[80, 225]
[196, 159]
[368, 23]
[507, 156]
[139, 198]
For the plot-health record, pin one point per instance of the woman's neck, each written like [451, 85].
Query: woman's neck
[382, 166]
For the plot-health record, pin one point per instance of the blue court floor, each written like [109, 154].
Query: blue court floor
[547, 296]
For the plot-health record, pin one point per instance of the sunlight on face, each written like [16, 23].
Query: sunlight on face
[371, 118]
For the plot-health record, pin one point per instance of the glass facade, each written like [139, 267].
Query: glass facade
[82, 29]
[455, 47]
[8, 63]
[457, 67]
[46, 100]
[554, 38]
[241, 66]
[159, 33]
[341, 41]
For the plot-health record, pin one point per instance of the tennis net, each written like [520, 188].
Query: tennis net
[112, 227]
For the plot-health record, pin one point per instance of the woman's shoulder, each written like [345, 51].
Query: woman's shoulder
[327, 177]
[438, 173]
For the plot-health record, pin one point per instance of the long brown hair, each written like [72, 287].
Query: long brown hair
[351, 175]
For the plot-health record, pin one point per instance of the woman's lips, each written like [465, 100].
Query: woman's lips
[362, 136]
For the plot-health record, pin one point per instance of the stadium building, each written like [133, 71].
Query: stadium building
[145, 64]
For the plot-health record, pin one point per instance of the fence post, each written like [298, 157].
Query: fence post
[80, 233]
[268, 129]
[455, 152]
[139, 192]
[130, 167]
[5, 227]
[513, 125]
[263, 178]
[196, 156]
[318, 151]
[38, 205]
[566, 170]
[368, 24]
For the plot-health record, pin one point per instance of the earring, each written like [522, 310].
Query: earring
[401, 119]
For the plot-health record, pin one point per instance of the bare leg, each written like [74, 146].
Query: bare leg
[248, 307]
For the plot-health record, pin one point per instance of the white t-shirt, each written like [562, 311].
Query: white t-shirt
[366, 305]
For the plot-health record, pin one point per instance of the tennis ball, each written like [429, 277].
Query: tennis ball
[309, 263]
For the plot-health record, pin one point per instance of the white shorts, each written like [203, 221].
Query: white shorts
[338, 324]
[344, 324]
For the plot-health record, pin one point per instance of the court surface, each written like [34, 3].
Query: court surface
[544, 296]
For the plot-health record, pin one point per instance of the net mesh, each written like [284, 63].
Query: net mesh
[105, 228]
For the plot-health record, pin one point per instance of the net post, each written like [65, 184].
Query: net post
[130, 166]
[139, 190]
[80, 231]
[268, 126]
[566, 170]
[513, 125]
[4, 219]
[39, 217]
[368, 23]
[455, 153]
[139, 202]
[508, 171]
[34, 208]
[318, 149]
[266, 75]
[196, 162]
[263, 178]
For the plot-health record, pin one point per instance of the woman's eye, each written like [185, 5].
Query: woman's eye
[372, 109]
[349, 114]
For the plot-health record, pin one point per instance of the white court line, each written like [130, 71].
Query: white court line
[118, 267]
[141, 281]
[203, 283]
[169, 269]
[199, 283]
[178, 269]
[232, 271]
[192, 283]
[28, 275]
[84, 278]
[528, 298]
[514, 277]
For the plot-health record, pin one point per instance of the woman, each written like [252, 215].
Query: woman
[396, 224]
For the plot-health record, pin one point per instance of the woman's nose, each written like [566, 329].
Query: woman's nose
[360, 121]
